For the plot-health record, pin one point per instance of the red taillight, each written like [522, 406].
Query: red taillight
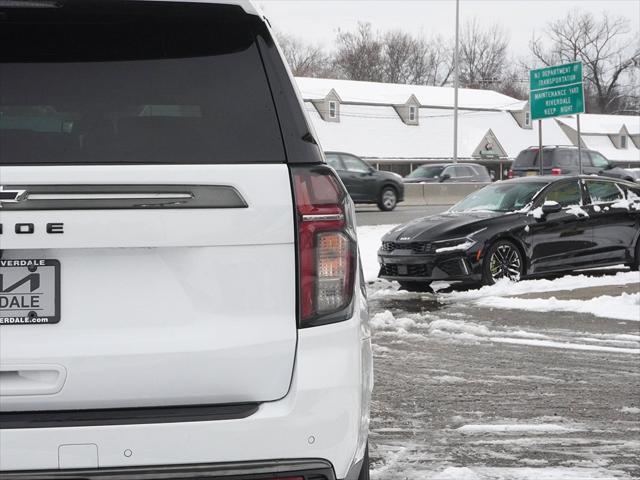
[326, 245]
[556, 171]
[510, 173]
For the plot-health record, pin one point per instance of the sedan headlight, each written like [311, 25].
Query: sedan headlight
[456, 244]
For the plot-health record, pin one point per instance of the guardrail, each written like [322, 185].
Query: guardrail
[438, 193]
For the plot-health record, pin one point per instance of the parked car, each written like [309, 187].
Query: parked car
[518, 228]
[449, 172]
[364, 183]
[563, 160]
[182, 290]
[634, 173]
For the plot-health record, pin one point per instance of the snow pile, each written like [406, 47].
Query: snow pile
[456, 473]
[369, 241]
[577, 211]
[386, 321]
[537, 213]
[632, 410]
[470, 332]
[516, 428]
[623, 307]
[505, 287]
[526, 473]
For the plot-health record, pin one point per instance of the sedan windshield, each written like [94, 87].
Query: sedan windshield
[500, 197]
[426, 172]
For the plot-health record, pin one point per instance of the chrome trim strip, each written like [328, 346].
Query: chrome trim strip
[323, 218]
[107, 196]
[115, 197]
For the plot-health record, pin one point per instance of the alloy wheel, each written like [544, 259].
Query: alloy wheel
[389, 199]
[505, 262]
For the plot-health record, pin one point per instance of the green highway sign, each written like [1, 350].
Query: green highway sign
[556, 91]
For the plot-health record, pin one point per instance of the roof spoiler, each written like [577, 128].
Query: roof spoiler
[30, 3]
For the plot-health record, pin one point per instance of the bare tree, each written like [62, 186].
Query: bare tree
[608, 51]
[438, 62]
[359, 54]
[305, 60]
[483, 55]
[393, 57]
[399, 54]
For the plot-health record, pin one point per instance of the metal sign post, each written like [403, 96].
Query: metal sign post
[540, 151]
[579, 145]
[456, 81]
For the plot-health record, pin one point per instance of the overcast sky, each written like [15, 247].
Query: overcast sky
[319, 20]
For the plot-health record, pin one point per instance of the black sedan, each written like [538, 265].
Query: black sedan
[518, 228]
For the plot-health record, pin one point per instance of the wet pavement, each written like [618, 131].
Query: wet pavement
[476, 393]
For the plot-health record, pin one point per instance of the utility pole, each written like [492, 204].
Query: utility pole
[456, 80]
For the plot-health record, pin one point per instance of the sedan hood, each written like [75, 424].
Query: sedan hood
[442, 226]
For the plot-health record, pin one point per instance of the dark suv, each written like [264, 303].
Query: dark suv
[449, 172]
[563, 160]
[364, 183]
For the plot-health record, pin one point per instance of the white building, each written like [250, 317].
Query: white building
[398, 127]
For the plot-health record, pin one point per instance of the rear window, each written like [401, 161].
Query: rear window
[529, 159]
[133, 82]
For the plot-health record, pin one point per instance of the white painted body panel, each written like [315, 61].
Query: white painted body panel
[328, 397]
[160, 307]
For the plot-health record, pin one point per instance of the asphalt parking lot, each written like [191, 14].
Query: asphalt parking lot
[469, 392]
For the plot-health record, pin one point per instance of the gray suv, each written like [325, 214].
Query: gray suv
[364, 183]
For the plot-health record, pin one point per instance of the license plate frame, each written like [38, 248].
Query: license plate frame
[29, 291]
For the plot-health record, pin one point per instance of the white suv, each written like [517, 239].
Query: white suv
[180, 286]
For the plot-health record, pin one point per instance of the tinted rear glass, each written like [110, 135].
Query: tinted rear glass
[526, 159]
[133, 82]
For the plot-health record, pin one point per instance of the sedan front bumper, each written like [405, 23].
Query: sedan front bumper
[404, 265]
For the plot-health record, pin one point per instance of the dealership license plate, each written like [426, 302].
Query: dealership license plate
[29, 291]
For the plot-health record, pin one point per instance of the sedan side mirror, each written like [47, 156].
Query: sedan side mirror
[551, 207]
[444, 178]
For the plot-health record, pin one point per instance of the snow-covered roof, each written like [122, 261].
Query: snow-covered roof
[604, 145]
[376, 131]
[374, 93]
[599, 123]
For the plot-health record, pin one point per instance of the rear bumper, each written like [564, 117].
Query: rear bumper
[303, 469]
[324, 416]
[460, 266]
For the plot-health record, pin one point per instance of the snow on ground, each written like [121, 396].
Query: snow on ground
[518, 428]
[623, 307]
[506, 288]
[524, 473]
[369, 241]
[428, 326]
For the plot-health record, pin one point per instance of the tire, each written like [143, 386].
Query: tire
[388, 199]
[364, 471]
[503, 260]
[416, 286]
[635, 265]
